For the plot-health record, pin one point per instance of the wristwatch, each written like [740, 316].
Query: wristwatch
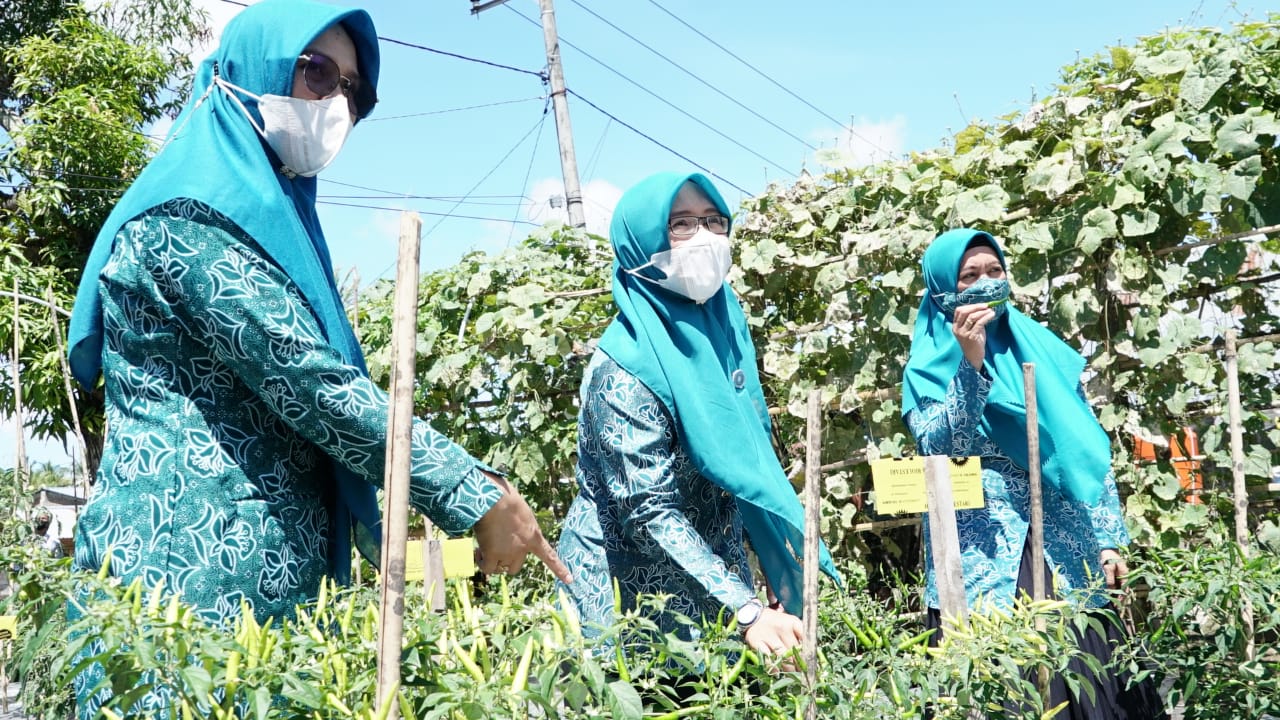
[748, 614]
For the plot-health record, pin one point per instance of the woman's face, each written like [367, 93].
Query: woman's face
[335, 44]
[691, 201]
[979, 261]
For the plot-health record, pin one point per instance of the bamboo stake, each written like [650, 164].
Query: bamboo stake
[20, 471]
[944, 542]
[1038, 580]
[355, 328]
[399, 456]
[1240, 488]
[71, 403]
[812, 531]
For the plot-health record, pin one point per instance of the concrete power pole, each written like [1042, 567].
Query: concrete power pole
[559, 104]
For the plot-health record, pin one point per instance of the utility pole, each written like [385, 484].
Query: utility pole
[559, 104]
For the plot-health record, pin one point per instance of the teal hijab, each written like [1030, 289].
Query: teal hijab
[1075, 452]
[698, 360]
[215, 156]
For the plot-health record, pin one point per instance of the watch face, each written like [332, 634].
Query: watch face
[749, 613]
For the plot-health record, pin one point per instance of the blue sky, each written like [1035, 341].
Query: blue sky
[905, 74]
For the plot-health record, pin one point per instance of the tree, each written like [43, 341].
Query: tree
[77, 90]
[1133, 203]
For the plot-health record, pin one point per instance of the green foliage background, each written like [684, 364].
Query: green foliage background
[1134, 206]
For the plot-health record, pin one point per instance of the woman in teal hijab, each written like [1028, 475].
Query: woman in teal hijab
[963, 396]
[675, 462]
[244, 439]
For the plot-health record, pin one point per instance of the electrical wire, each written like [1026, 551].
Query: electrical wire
[697, 77]
[445, 53]
[442, 215]
[453, 110]
[595, 154]
[650, 138]
[764, 75]
[655, 95]
[524, 186]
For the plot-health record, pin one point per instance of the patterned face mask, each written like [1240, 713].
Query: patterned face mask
[989, 291]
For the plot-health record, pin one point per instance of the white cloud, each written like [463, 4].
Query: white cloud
[863, 143]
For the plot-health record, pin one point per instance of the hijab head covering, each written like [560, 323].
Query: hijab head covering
[215, 156]
[1075, 452]
[698, 360]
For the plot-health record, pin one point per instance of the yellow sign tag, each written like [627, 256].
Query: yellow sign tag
[899, 484]
[458, 555]
[8, 627]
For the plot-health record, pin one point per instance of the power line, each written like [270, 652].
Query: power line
[445, 53]
[453, 110]
[524, 186]
[650, 138]
[595, 154]
[655, 95]
[764, 75]
[538, 125]
[441, 215]
[695, 76]
[393, 196]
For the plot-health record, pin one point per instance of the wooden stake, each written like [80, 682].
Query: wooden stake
[944, 542]
[1039, 586]
[399, 455]
[432, 570]
[1240, 489]
[20, 470]
[71, 402]
[812, 531]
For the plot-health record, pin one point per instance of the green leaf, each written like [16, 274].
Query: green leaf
[1169, 488]
[1205, 78]
[1239, 135]
[758, 256]
[1123, 194]
[1099, 224]
[1256, 358]
[1168, 62]
[1054, 175]
[1243, 177]
[1035, 236]
[479, 283]
[985, 204]
[1139, 221]
[898, 279]
[624, 701]
[525, 296]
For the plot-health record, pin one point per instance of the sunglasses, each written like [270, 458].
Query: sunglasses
[322, 76]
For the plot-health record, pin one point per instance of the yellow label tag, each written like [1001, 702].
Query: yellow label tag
[8, 627]
[458, 555]
[899, 484]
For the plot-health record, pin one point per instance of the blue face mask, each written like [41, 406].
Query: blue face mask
[992, 292]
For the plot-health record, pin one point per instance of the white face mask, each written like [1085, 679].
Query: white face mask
[305, 134]
[696, 268]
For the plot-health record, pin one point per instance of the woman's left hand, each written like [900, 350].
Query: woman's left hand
[1114, 568]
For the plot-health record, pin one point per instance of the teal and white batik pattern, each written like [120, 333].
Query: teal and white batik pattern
[223, 401]
[644, 515]
[992, 537]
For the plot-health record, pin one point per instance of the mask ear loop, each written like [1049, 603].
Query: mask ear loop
[177, 132]
[231, 90]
